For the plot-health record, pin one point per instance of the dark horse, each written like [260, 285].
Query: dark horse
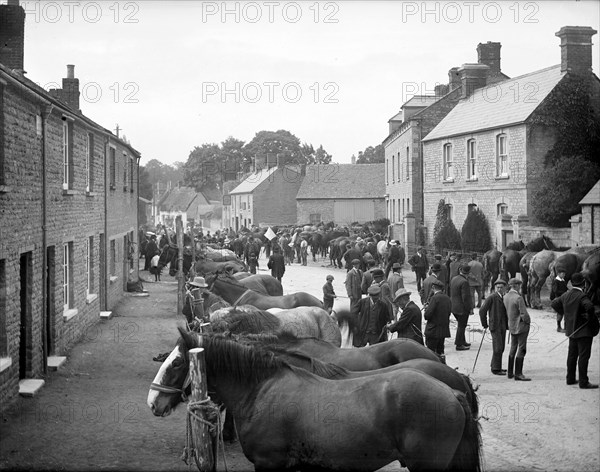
[362, 424]
[170, 254]
[491, 269]
[233, 292]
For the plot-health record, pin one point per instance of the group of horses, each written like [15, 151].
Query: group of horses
[299, 401]
[538, 260]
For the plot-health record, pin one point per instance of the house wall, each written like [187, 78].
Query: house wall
[487, 191]
[589, 232]
[325, 207]
[275, 198]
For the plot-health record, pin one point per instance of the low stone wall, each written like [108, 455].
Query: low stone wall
[561, 237]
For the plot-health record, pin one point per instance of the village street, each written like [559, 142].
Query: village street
[92, 413]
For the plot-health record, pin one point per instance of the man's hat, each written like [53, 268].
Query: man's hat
[436, 267]
[499, 282]
[377, 273]
[401, 292]
[437, 283]
[371, 262]
[393, 242]
[465, 269]
[374, 290]
[355, 262]
[199, 282]
[514, 281]
[396, 265]
[438, 257]
[577, 279]
[329, 277]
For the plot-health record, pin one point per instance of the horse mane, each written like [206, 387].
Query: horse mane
[241, 321]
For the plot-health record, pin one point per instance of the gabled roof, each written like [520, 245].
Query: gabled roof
[181, 198]
[343, 181]
[505, 103]
[253, 180]
[593, 196]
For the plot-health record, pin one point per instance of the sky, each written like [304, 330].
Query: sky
[177, 74]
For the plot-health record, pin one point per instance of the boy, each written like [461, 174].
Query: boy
[559, 286]
[253, 263]
[328, 294]
[154, 269]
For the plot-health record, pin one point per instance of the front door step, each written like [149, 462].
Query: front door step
[29, 387]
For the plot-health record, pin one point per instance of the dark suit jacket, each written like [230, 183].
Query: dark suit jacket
[419, 263]
[426, 291]
[578, 310]
[460, 294]
[437, 315]
[277, 265]
[362, 313]
[494, 306]
[409, 324]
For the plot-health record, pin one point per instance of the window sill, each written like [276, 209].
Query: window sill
[69, 314]
[90, 194]
[448, 181]
[91, 297]
[113, 279]
[69, 192]
[472, 179]
[502, 177]
[5, 363]
[5, 189]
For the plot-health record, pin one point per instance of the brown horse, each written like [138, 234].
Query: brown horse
[524, 270]
[491, 269]
[569, 262]
[591, 272]
[262, 283]
[509, 263]
[235, 293]
[539, 270]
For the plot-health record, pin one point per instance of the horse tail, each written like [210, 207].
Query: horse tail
[345, 315]
[467, 456]
[502, 266]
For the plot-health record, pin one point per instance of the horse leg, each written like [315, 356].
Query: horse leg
[229, 431]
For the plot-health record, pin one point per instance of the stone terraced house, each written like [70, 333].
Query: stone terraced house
[68, 218]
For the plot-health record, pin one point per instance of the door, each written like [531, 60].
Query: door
[50, 298]
[103, 274]
[507, 238]
[25, 327]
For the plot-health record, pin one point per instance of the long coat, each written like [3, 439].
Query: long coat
[426, 291]
[476, 274]
[277, 265]
[409, 324]
[352, 283]
[518, 318]
[460, 294]
[363, 312]
[437, 315]
[494, 307]
[578, 310]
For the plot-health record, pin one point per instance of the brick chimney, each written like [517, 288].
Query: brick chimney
[70, 87]
[472, 77]
[576, 49]
[489, 54]
[453, 78]
[12, 35]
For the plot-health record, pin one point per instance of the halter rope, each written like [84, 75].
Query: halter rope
[237, 302]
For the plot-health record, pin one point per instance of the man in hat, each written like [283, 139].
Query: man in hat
[462, 306]
[437, 314]
[151, 251]
[395, 279]
[367, 278]
[476, 279]
[518, 325]
[498, 324]
[371, 315]
[581, 325]
[443, 275]
[559, 286]
[276, 263]
[193, 307]
[419, 265]
[352, 283]
[410, 321]
[328, 294]
[453, 265]
[426, 292]
[396, 254]
[386, 294]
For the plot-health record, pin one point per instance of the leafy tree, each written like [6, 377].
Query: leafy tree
[322, 156]
[282, 143]
[203, 167]
[371, 155]
[560, 187]
[475, 233]
[445, 234]
[234, 158]
[145, 184]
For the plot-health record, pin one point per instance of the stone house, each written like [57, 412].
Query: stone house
[342, 193]
[589, 227]
[486, 152]
[186, 202]
[68, 206]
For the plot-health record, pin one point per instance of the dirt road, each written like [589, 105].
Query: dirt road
[92, 413]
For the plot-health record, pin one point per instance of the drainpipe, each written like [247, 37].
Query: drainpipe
[137, 220]
[104, 303]
[46, 111]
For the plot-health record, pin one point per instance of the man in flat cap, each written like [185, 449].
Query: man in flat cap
[395, 280]
[476, 279]
[352, 283]
[581, 325]
[462, 306]
[386, 294]
[426, 292]
[409, 323]
[371, 315]
[437, 314]
[498, 324]
[328, 294]
[518, 325]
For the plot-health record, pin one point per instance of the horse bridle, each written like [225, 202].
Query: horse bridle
[167, 389]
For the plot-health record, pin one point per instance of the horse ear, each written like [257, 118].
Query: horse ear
[189, 339]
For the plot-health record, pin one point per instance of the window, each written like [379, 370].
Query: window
[408, 205]
[448, 171]
[393, 168]
[125, 169]
[403, 206]
[502, 209]
[393, 210]
[131, 174]
[67, 276]
[387, 170]
[399, 168]
[131, 248]
[243, 205]
[315, 218]
[501, 156]
[400, 214]
[471, 160]
[89, 265]
[67, 146]
[407, 163]
[113, 257]
[3, 311]
[89, 163]
[112, 157]
[450, 209]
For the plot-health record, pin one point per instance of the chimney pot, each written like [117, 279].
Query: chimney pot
[70, 71]
[473, 76]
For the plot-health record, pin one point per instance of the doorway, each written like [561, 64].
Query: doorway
[50, 298]
[25, 327]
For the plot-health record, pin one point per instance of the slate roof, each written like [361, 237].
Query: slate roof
[501, 104]
[180, 199]
[343, 181]
[593, 196]
[253, 180]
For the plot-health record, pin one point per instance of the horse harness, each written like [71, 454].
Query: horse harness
[167, 389]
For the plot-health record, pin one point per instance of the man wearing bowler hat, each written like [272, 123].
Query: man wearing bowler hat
[409, 323]
[426, 291]
[371, 315]
[519, 322]
[581, 325]
[498, 324]
[462, 305]
[437, 314]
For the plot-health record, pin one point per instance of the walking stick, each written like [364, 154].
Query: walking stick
[479, 350]
[584, 324]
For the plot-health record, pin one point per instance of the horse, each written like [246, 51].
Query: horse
[524, 270]
[569, 262]
[539, 270]
[383, 251]
[235, 293]
[591, 273]
[302, 322]
[361, 424]
[491, 269]
[207, 266]
[509, 263]
[261, 283]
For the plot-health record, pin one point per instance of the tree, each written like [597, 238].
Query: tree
[145, 188]
[203, 168]
[278, 143]
[475, 233]
[234, 158]
[560, 187]
[445, 234]
[322, 156]
[371, 155]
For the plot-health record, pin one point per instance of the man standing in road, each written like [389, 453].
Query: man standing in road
[420, 266]
[476, 279]
[410, 321]
[371, 316]
[276, 264]
[395, 279]
[462, 306]
[581, 325]
[394, 255]
[426, 291]
[352, 283]
[559, 286]
[437, 314]
[367, 278]
[518, 325]
[498, 324]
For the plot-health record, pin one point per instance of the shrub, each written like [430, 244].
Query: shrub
[475, 233]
